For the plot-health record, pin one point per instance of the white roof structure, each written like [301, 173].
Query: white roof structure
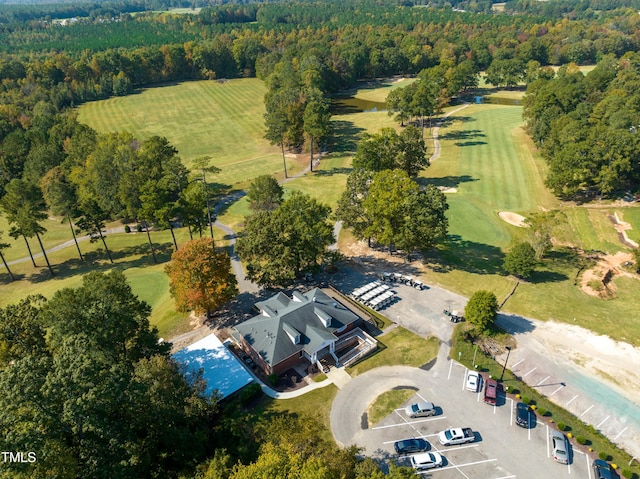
[220, 368]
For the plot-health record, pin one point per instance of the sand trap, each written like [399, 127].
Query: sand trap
[446, 189]
[513, 219]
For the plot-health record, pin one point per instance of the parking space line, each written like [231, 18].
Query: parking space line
[466, 464]
[506, 477]
[517, 363]
[588, 465]
[530, 372]
[619, 434]
[602, 422]
[511, 409]
[573, 398]
[542, 382]
[457, 448]
[559, 388]
[418, 394]
[548, 451]
[586, 410]
[450, 368]
[420, 435]
[407, 423]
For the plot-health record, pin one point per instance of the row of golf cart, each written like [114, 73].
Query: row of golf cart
[374, 295]
[402, 279]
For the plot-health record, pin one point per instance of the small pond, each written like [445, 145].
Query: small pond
[346, 105]
[496, 100]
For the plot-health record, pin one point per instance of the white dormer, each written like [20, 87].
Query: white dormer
[294, 335]
[324, 317]
[298, 297]
[268, 312]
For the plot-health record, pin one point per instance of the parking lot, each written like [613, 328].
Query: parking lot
[501, 449]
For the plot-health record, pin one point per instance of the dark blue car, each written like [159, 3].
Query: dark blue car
[409, 446]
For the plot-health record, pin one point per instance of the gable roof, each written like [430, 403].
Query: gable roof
[313, 317]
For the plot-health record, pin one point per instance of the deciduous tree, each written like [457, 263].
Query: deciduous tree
[481, 309]
[264, 193]
[280, 245]
[200, 278]
[521, 260]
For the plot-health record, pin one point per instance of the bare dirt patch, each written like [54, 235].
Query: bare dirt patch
[599, 281]
[513, 219]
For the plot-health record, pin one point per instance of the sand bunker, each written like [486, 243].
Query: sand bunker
[513, 219]
[446, 189]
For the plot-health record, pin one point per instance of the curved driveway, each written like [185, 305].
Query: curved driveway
[353, 399]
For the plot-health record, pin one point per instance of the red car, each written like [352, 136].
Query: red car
[491, 392]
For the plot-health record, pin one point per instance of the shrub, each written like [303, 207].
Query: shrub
[127, 229]
[526, 400]
[581, 440]
[627, 473]
[273, 379]
[139, 228]
[542, 411]
[603, 455]
[249, 393]
[562, 426]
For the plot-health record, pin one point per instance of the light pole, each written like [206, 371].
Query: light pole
[505, 362]
[474, 356]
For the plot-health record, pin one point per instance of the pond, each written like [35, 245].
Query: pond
[496, 100]
[346, 105]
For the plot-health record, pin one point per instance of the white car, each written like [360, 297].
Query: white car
[473, 381]
[427, 460]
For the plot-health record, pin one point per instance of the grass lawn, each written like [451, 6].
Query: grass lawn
[130, 253]
[386, 403]
[316, 403]
[631, 215]
[492, 163]
[398, 346]
[222, 120]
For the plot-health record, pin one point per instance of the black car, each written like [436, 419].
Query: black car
[408, 446]
[523, 413]
[602, 470]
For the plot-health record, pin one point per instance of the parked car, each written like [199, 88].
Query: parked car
[409, 446]
[473, 381]
[427, 460]
[523, 414]
[420, 409]
[602, 470]
[560, 450]
[491, 392]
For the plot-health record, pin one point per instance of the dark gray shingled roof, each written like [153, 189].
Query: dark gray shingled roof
[313, 317]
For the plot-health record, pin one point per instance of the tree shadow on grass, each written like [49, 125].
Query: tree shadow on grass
[333, 171]
[140, 257]
[449, 120]
[345, 136]
[470, 143]
[468, 256]
[446, 181]
[462, 135]
[546, 276]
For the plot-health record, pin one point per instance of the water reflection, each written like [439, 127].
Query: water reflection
[496, 100]
[344, 106]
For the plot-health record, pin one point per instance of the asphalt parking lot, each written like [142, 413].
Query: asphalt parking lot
[502, 449]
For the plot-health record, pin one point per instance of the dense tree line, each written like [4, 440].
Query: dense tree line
[586, 127]
[87, 387]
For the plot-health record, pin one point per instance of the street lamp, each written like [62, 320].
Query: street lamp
[505, 362]
[474, 355]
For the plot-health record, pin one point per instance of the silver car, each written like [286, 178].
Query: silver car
[420, 409]
[560, 451]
